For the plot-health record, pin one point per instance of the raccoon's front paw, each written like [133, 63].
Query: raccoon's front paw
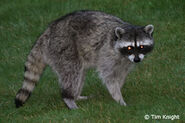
[18, 103]
[122, 102]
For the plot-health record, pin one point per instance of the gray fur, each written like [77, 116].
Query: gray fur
[79, 41]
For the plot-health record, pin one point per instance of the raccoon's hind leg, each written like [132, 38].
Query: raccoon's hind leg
[82, 97]
[33, 69]
[71, 78]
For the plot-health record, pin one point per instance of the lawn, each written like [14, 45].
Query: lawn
[155, 87]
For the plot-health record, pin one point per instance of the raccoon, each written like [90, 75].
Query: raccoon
[82, 40]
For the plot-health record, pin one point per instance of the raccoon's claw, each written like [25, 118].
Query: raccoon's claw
[70, 103]
[18, 103]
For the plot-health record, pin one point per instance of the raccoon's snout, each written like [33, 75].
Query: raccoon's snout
[137, 59]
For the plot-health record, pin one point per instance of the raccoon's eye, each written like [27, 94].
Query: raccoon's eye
[141, 46]
[129, 47]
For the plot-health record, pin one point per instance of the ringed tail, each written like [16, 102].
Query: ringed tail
[34, 67]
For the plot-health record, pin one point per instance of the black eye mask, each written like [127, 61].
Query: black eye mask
[132, 50]
[125, 51]
[146, 49]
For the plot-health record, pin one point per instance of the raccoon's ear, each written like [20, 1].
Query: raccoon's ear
[149, 29]
[119, 32]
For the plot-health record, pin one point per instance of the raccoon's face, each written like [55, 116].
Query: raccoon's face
[134, 42]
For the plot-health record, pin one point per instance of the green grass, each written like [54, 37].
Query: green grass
[155, 86]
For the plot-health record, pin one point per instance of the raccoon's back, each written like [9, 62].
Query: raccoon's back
[87, 16]
[84, 27]
[86, 22]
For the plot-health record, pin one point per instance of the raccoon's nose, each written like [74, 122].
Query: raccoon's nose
[136, 59]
